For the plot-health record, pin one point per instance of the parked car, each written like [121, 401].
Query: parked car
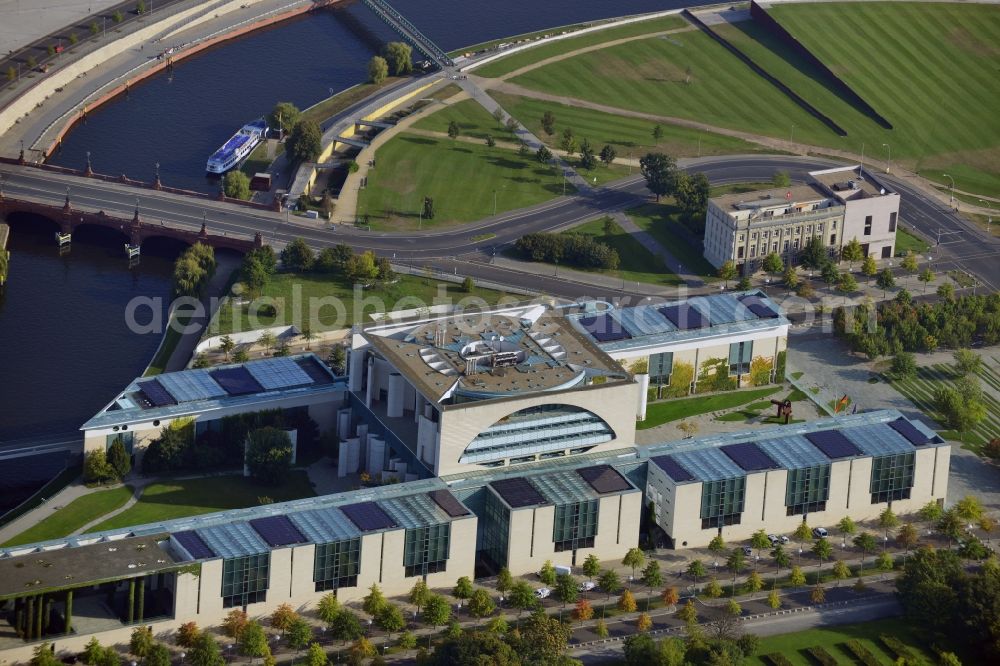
[543, 592]
[820, 532]
[563, 570]
[775, 539]
[586, 586]
[748, 551]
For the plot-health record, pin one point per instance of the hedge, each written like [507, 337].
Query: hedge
[863, 654]
[778, 659]
[823, 657]
[898, 647]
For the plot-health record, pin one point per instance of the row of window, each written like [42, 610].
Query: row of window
[788, 231]
[575, 525]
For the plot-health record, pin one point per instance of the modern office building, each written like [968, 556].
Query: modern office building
[735, 484]
[207, 396]
[706, 343]
[836, 206]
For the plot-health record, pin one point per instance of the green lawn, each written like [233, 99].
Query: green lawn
[289, 289]
[192, 497]
[906, 242]
[658, 413]
[637, 263]
[258, 161]
[528, 56]
[74, 515]
[688, 75]
[944, 124]
[627, 135]
[834, 639]
[412, 167]
[472, 119]
[738, 188]
[662, 221]
[516, 38]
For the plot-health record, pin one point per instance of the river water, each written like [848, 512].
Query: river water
[64, 347]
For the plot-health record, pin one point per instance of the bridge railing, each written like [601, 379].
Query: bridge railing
[387, 13]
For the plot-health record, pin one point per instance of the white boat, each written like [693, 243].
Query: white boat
[238, 147]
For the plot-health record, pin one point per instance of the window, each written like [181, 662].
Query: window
[795, 244]
[740, 354]
[868, 225]
[892, 477]
[807, 490]
[741, 238]
[425, 549]
[809, 229]
[753, 236]
[774, 246]
[892, 222]
[127, 439]
[798, 229]
[785, 247]
[496, 529]
[819, 228]
[244, 580]
[574, 525]
[833, 239]
[337, 564]
[722, 502]
[833, 225]
[753, 250]
[660, 367]
[739, 252]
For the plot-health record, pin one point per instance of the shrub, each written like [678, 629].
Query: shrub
[862, 654]
[778, 659]
[821, 656]
[570, 249]
[898, 647]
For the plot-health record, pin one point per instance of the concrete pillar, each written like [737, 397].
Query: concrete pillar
[141, 601]
[397, 388]
[426, 439]
[343, 423]
[640, 407]
[131, 600]
[356, 365]
[69, 611]
[418, 406]
[376, 455]
[369, 394]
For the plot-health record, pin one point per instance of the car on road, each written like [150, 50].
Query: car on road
[748, 551]
[586, 586]
[543, 592]
[820, 532]
[775, 539]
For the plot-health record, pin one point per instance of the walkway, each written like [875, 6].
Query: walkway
[44, 510]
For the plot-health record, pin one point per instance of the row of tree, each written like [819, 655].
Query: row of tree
[578, 250]
[100, 466]
[664, 179]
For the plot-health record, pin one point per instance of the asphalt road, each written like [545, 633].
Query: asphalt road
[466, 248]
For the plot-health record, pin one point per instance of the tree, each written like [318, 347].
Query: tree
[187, 634]
[269, 455]
[117, 17]
[946, 291]
[235, 623]
[583, 611]
[549, 123]
[305, 142]
[94, 28]
[652, 577]
[118, 460]
[547, 574]
[822, 550]
[759, 541]
[158, 655]
[885, 280]
[587, 158]
[634, 559]
[362, 649]
[428, 212]
[967, 361]
[644, 623]
[609, 582]
[490, 141]
[754, 583]
[735, 563]
[852, 252]
[407, 641]
[733, 608]
[418, 594]
[374, 601]
[797, 578]
[522, 597]
[283, 616]
[566, 589]
[691, 193]
[399, 57]
[511, 124]
[463, 589]
[236, 185]
[840, 571]
[378, 70]
[713, 590]
[781, 179]
[497, 625]
[884, 562]
[568, 141]
[316, 656]
[969, 508]
[390, 619]
[626, 602]
[504, 580]
[926, 276]
[299, 633]
[253, 642]
[345, 626]
[866, 544]
[498, 116]
[141, 641]
[790, 277]
[657, 134]
[670, 596]
[728, 272]
[716, 545]
[818, 594]
[773, 264]
[543, 155]
[906, 537]
[327, 607]
[283, 116]
[453, 130]
[543, 639]
[660, 173]
[591, 566]
[888, 521]
[847, 284]
[481, 604]
[904, 365]
[608, 155]
[362, 267]
[909, 263]
[437, 611]
[688, 613]
[774, 599]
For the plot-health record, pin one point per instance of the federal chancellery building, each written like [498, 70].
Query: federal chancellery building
[508, 436]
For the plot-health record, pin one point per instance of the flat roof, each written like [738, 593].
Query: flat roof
[197, 390]
[61, 566]
[797, 446]
[768, 198]
[657, 324]
[491, 354]
[850, 183]
[559, 486]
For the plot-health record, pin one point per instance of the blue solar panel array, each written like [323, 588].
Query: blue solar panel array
[277, 531]
[444, 499]
[604, 328]
[909, 431]
[194, 545]
[156, 394]
[833, 444]
[368, 516]
[755, 304]
[518, 492]
[236, 381]
[673, 468]
[684, 316]
[749, 457]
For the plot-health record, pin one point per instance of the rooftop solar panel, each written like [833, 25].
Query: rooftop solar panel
[368, 516]
[191, 385]
[833, 444]
[277, 531]
[684, 316]
[909, 431]
[517, 492]
[749, 457]
[673, 468]
[448, 503]
[604, 479]
[278, 373]
[156, 394]
[236, 381]
[194, 545]
[604, 328]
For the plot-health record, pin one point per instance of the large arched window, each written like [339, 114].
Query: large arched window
[547, 429]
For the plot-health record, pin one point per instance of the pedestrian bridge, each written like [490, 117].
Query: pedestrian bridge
[409, 32]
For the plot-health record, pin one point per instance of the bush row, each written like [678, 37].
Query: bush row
[821, 656]
[862, 653]
[778, 659]
[898, 647]
[569, 249]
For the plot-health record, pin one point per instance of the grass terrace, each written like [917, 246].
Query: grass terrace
[658, 413]
[412, 167]
[908, 242]
[516, 38]
[70, 518]
[472, 119]
[663, 222]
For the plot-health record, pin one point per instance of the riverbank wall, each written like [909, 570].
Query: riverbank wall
[4, 253]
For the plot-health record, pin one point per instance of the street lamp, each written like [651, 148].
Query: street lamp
[888, 164]
[989, 218]
[952, 199]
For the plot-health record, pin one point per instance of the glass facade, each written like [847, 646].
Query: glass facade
[660, 367]
[740, 354]
[807, 490]
[127, 440]
[722, 502]
[575, 525]
[244, 580]
[496, 530]
[337, 564]
[537, 430]
[892, 477]
[425, 549]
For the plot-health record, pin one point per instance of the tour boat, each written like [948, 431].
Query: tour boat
[238, 147]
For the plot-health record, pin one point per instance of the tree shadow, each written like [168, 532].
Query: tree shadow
[419, 140]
